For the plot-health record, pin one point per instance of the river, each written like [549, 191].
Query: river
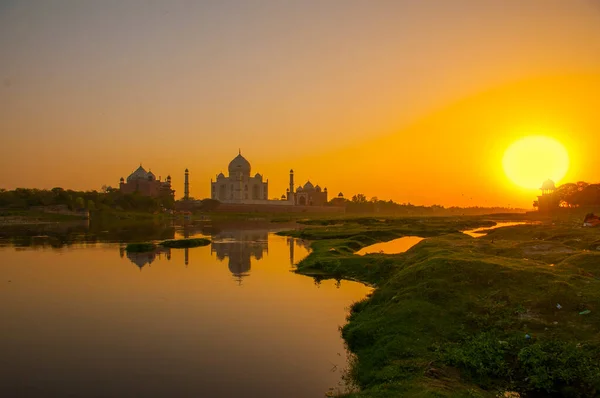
[87, 319]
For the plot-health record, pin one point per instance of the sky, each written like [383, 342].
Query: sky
[403, 100]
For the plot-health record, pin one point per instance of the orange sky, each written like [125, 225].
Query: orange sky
[411, 101]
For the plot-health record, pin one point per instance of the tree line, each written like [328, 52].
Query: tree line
[107, 199]
[113, 199]
[576, 194]
[361, 205]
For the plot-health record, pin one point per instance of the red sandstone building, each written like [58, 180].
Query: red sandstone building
[145, 183]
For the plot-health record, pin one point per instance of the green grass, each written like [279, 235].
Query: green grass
[30, 216]
[449, 317]
[183, 243]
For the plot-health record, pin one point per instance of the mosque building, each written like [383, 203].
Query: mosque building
[146, 183]
[239, 187]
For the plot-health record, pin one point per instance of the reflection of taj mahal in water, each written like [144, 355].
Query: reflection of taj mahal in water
[237, 246]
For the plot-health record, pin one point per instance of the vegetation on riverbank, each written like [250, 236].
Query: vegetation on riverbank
[183, 243]
[24, 217]
[517, 310]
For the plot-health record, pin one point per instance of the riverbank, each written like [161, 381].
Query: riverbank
[517, 310]
[30, 217]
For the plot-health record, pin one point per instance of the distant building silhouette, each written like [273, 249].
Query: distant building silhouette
[186, 185]
[146, 183]
[548, 201]
[339, 201]
[306, 195]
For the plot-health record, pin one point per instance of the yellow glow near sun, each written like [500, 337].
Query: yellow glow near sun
[534, 159]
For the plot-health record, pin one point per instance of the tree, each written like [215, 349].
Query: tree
[79, 203]
[91, 206]
[359, 198]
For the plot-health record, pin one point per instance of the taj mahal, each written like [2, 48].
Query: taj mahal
[240, 187]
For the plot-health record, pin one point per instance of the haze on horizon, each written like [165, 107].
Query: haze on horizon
[410, 101]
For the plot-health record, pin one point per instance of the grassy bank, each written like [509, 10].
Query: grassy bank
[516, 310]
[26, 217]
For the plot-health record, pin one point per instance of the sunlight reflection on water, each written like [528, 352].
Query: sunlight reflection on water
[395, 246]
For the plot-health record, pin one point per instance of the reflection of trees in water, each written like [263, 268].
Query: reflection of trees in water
[239, 246]
[57, 235]
[146, 258]
[319, 278]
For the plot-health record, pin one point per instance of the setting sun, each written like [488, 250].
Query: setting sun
[531, 160]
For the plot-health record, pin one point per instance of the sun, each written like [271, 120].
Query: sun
[531, 160]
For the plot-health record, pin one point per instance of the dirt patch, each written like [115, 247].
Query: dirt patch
[546, 248]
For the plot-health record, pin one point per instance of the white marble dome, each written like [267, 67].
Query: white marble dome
[239, 164]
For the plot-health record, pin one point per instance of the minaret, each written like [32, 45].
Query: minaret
[291, 194]
[186, 185]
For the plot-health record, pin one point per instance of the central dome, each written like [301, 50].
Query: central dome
[548, 185]
[308, 186]
[139, 174]
[239, 164]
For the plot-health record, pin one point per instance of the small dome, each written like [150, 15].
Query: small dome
[308, 186]
[221, 175]
[122, 179]
[151, 176]
[340, 195]
[318, 188]
[187, 171]
[239, 163]
[168, 177]
[299, 189]
[548, 185]
[282, 197]
[140, 173]
[257, 175]
[325, 189]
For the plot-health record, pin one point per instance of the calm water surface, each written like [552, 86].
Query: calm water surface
[482, 231]
[399, 245]
[225, 320]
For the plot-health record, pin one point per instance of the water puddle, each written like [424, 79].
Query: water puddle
[395, 246]
[482, 231]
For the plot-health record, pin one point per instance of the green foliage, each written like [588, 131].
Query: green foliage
[360, 205]
[22, 198]
[556, 366]
[449, 317]
[80, 202]
[182, 243]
